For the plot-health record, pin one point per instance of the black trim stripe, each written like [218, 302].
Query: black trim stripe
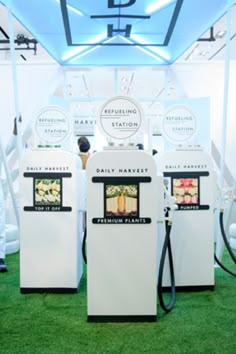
[117, 44]
[194, 174]
[190, 288]
[119, 16]
[121, 180]
[4, 33]
[46, 209]
[47, 174]
[23, 57]
[66, 22]
[49, 290]
[173, 22]
[141, 318]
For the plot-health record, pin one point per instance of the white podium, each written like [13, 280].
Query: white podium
[122, 206]
[190, 177]
[50, 253]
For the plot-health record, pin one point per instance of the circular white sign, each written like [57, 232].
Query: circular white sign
[52, 125]
[179, 124]
[120, 118]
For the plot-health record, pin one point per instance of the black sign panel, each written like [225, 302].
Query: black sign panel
[185, 187]
[121, 200]
[47, 192]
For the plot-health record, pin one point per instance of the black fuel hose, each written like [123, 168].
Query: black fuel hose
[223, 267]
[225, 237]
[166, 246]
[227, 246]
[84, 241]
[84, 245]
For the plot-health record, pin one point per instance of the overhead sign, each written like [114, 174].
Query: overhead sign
[120, 118]
[52, 126]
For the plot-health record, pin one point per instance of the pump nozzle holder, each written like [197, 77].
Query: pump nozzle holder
[170, 207]
[226, 197]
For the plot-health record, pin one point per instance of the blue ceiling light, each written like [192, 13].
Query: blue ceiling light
[157, 50]
[113, 32]
[157, 5]
[158, 58]
[89, 51]
[75, 52]
[73, 9]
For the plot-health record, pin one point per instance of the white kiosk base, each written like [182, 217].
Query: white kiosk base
[50, 254]
[190, 177]
[121, 236]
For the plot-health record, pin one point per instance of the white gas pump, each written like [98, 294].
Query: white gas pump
[124, 202]
[189, 176]
[50, 232]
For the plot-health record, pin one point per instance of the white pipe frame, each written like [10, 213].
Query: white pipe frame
[19, 137]
[220, 243]
[14, 78]
[9, 181]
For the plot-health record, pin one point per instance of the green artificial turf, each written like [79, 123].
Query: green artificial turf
[201, 322]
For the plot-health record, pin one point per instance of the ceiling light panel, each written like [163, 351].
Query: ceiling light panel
[112, 32]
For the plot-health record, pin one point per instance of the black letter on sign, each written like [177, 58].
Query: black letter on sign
[111, 30]
[112, 5]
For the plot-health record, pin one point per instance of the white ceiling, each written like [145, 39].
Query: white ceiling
[205, 50]
[200, 51]
[94, 84]
[21, 53]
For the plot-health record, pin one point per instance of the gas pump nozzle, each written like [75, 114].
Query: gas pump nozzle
[226, 197]
[169, 205]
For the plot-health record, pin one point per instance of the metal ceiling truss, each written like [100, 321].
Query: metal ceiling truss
[29, 44]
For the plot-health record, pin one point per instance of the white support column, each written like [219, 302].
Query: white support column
[14, 78]
[220, 243]
[9, 181]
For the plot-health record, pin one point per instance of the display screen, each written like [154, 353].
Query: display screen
[186, 190]
[121, 200]
[47, 191]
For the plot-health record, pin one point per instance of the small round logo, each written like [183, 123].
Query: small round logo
[179, 124]
[120, 118]
[52, 125]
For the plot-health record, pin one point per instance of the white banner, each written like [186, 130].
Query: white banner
[187, 122]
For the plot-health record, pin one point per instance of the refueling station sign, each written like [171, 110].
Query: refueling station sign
[179, 124]
[120, 118]
[52, 126]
